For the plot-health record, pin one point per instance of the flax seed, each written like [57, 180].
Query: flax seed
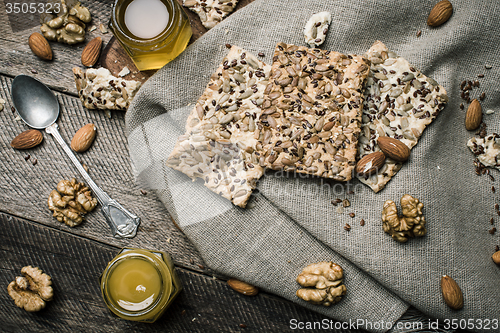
[362, 222]
[347, 227]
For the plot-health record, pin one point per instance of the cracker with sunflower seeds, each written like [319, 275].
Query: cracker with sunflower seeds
[399, 102]
[311, 113]
[219, 145]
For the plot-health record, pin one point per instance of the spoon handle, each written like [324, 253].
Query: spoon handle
[123, 223]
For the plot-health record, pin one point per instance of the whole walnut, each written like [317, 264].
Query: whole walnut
[411, 224]
[68, 26]
[71, 201]
[323, 282]
[32, 290]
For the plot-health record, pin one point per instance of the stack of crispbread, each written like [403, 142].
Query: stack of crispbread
[313, 112]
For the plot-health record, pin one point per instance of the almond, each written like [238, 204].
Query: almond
[243, 287]
[394, 148]
[83, 138]
[474, 115]
[27, 139]
[440, 13]
[370, 163]
[496, 257]
[452, 293]
[40, 47]
[90, 53]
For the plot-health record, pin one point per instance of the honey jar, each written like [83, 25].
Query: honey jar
[153, 32]
[139, 285]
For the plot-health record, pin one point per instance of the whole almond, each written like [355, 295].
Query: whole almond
[370, 163]
[27, 139]
[440, 13]
[474, 115]
[243, 287]
[40, 47]
[394, 148]
[90, 53]
[496, 257]
[83, 138]
[452, 293]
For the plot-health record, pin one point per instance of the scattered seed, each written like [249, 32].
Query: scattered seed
[143, 192]
[260, 54]
[350, 192]
[13, 109]
[347, 227]
[497, 248]
[334, 203]
[493, 230]
[419, 33]
[27, 157]
[338, 200]
[362, 222]
[493, 189]
[487, 66]
[346, 203]
[85, 167]
[243, 325]
[34, 71]
[228, 46]
[461, 106]
[201, 266]
[497, 207]
[490, 111]
[34, 162]
[352, 215]
[492, 221]
[483, 96]
[480, 75]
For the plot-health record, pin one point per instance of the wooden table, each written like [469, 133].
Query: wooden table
[75, 257]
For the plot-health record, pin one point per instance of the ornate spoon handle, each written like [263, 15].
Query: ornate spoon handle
[123, 223]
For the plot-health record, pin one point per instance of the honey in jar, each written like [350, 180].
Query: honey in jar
[153, 32]
[139, 285]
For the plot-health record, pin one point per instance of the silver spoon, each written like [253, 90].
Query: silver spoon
[38, 107]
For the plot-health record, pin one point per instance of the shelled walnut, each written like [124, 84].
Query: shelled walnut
[69, 24]
[71, 201]
[32, 290]
[411, 224]
[322, 282]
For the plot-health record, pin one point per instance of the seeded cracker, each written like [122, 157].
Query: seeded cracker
[400, 102]
[219, 144]
[211, 12]
[312, 112]
[487, 150]
[98, 89]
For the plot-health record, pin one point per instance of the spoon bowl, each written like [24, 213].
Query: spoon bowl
[35, 103]
[38, 107]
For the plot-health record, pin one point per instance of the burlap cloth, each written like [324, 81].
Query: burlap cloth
[291, 222]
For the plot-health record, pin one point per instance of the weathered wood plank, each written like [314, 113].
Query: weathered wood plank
[24, 187]
[75, 264]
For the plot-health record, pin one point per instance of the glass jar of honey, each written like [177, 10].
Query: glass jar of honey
[153, 32]
[139, 285]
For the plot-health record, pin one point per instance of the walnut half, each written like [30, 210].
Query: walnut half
[411, 224]
[322, 282]
[32, 290]
[69, 24]
[71, 201]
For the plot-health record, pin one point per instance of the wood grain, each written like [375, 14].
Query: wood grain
[24, 187]
[16, 57]
[75, 264]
